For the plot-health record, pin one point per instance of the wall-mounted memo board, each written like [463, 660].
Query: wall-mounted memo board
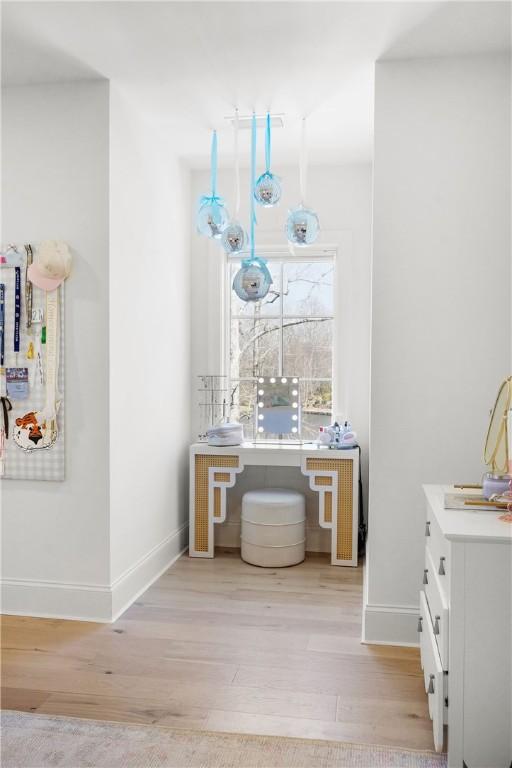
[17, 463]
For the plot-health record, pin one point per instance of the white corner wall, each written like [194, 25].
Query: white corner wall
[55, 536]
[440, 307]
[150, 391]
[81, 163]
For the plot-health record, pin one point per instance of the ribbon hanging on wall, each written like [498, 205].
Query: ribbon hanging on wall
[253, 280]
[302, 225]
[212, 216]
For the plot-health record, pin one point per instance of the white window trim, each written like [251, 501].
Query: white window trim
[281, 253]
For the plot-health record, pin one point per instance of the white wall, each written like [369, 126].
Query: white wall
[441, 304]
[75, 155]
[342, 198]
[55, 536]
[149, 349]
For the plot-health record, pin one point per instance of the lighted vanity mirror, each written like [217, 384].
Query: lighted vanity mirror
[277, 408]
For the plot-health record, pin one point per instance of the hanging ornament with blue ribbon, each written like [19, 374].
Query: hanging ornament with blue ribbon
[253, 280]
[234, 238]
[267, 191]
[302, 225]
[212, 216]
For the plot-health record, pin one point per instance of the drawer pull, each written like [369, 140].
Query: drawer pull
[441, 570]
[425, 576]
[436, 626]
[420, 624]
[427, 528]
[431, 684]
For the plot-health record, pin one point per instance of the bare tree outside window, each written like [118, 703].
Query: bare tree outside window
[288, 333]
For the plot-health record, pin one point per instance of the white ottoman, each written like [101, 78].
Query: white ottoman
[273, 527]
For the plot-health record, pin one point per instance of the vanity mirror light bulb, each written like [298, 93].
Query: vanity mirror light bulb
[261, 417]
[283, 380]
[295, 417]
[260, 380]
[272, 381]
[295, 393]
[261, 405]
[260, 429]
[261, 392]
[294, 429]
[295, 381]
[295, 405]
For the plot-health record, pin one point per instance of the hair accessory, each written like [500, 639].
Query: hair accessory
[302, 225]
[52, 267]
[28, 285]
[234, 237]
[11, 258]
[212, 216]
[253, 280]
[267, 190]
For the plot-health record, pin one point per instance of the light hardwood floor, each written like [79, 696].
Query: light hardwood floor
[222, 645]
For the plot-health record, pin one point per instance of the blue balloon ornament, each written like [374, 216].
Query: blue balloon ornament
[212, 217]
[302, 226]
[253, 280]
[234, 238]
[267, 190]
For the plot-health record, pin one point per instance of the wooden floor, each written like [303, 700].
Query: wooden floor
[221, 645]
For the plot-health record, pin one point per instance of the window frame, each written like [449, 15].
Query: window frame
[275, 253]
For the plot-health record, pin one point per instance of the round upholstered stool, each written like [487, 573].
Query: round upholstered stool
[273, 527]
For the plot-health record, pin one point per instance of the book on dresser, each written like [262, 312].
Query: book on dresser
[465, 632]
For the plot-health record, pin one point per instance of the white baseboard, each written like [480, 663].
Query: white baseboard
[390, 625]
[91, 602]
[134, 581]
[56, 600]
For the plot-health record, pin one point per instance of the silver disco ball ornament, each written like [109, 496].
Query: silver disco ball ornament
[267, 190]
[302, 226]
[252, 281]
[233, 237]
[212, 218]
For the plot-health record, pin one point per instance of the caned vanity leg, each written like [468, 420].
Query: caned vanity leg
[210, 476]
[336, 482]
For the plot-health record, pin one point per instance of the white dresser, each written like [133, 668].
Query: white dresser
[465, 631]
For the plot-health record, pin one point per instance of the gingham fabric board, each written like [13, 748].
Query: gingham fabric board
[47, 463]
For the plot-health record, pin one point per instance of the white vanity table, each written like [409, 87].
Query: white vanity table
[465, 630]
[334, 474]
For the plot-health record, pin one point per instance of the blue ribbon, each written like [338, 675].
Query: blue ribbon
[214, 198]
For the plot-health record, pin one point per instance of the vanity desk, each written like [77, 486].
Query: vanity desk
[465, 631]
[334, 474]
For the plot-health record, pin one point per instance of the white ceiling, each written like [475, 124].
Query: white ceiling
[189, 64]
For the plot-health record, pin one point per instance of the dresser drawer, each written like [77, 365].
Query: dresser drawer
[433, 674]
[438, 608]
[439, 549]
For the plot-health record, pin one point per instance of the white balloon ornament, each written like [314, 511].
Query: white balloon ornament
[212, 217]
[302, 226]
[234, 238]
[253, 280]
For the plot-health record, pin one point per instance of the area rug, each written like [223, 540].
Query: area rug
[42, 741]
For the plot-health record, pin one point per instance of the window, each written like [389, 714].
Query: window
[288, 333]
